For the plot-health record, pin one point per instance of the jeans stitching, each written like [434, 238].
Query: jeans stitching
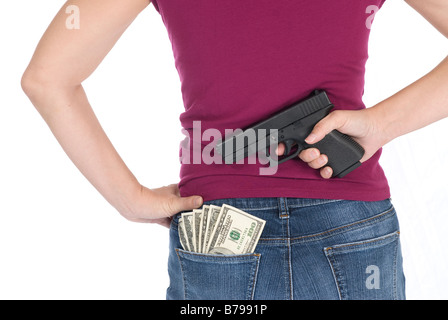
[291, 287]
[257, 209]
[395, 271]
[285, 215]
[360, 243]
[334, 273]
[329, 233]
[315, 203]
[254, 277]
[350, 226]
[183, 274]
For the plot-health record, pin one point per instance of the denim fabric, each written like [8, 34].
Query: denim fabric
[309, 249]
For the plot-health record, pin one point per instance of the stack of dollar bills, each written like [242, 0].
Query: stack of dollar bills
[219, 230]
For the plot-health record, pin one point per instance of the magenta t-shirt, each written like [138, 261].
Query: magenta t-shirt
[240, 62]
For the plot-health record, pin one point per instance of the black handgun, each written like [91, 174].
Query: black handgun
[291, 127]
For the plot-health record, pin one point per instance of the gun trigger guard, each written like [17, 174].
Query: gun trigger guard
[279, 160]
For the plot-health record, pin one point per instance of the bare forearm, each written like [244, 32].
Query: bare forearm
[426, 100]
[423, 102]
[63, 60]
[74, 124]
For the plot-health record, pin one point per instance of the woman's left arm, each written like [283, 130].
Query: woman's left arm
[423, 102]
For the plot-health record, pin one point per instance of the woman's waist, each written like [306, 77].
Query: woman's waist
[293, 179]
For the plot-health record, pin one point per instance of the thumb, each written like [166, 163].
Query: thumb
[188, 203]
[185, 203]
[331, 122]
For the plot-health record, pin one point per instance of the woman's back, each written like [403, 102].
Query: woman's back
[241, 61]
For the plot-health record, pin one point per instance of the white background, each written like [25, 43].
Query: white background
[59, 239]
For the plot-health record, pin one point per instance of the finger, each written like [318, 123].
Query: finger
[319, 162]
[331, 122]
[166, 222]
[174, 188]
[179, 204]
[139, 220]
[183, 203]
[192, 202]
[326, 172]
[309, 155]
[280, 149]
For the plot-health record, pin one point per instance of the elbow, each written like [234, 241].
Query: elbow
[34, 84]
[28, 83]
[42, 88]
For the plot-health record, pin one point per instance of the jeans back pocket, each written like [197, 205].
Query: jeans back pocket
[215, 277]
[367, 270]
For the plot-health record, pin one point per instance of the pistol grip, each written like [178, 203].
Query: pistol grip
[344, 153]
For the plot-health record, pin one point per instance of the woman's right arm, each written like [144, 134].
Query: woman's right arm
[63, 59]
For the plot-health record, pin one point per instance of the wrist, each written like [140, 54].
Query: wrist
[385, 122]
[129, 202]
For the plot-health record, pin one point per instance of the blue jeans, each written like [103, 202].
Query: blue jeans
[309, 249]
